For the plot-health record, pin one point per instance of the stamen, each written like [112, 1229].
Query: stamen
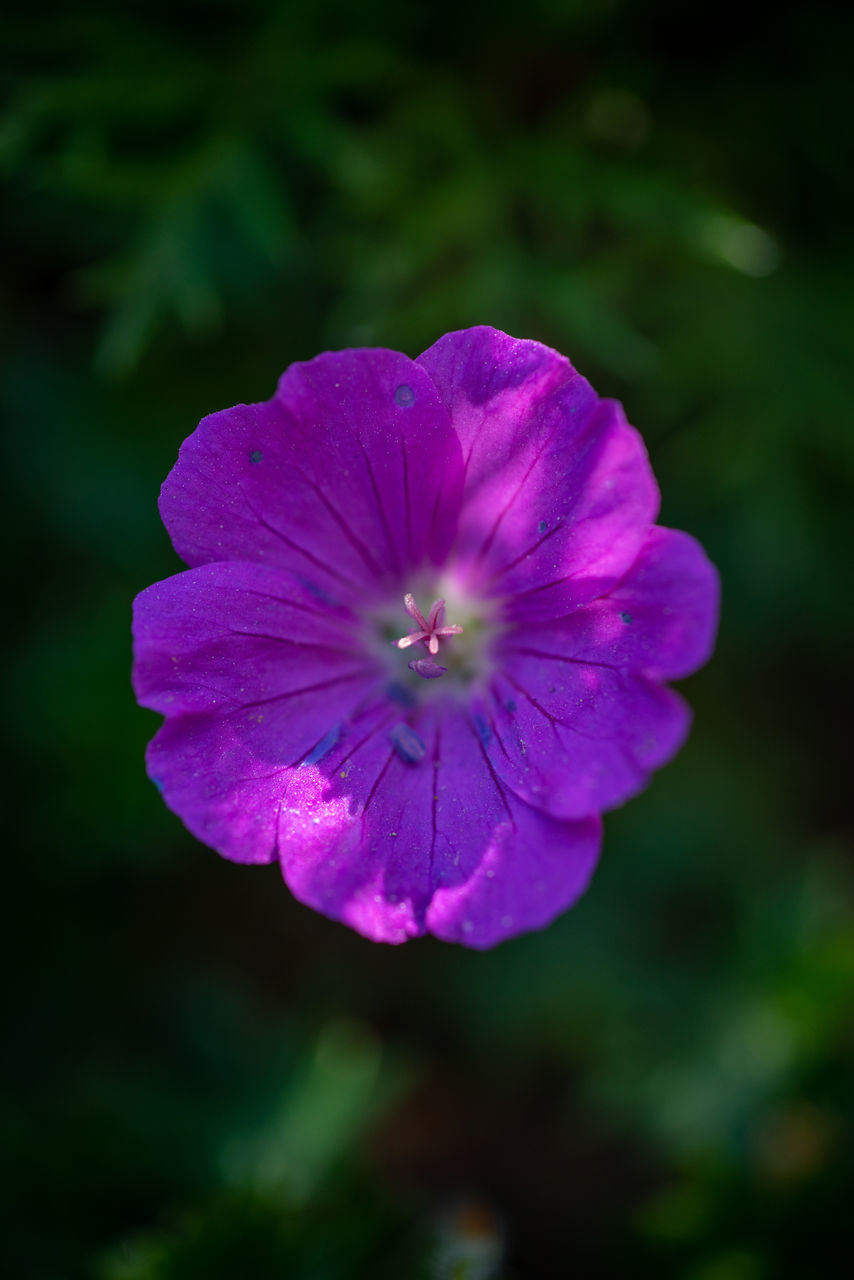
[427, 669]
[430, 634]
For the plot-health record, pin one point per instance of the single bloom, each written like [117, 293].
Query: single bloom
[425, 634]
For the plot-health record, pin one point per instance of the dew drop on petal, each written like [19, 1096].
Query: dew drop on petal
[256, 456]
[404, 396]
[542, 526]
[407, 743]
[625, 617]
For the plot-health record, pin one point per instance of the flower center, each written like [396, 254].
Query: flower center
[431, 631]
[462, 651]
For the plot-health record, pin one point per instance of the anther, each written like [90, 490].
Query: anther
[427, 668]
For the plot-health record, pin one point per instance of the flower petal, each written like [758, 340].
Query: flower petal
[660, 620]
[354, 831]
[255, 674]
[395, 841]
[350, 476]
[576, 719]
[576, 738]
[223, 635]
[518, 868]
[559, 494]
[208, 774]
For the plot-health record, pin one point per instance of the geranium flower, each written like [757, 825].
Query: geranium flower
[423, 639]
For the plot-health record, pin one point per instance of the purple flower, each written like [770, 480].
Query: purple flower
[423, 640]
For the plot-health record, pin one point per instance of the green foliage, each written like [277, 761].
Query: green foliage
[207, 1079]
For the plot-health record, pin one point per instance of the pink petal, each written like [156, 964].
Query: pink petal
[396, 841]
[339, 477]
[255, 675]
[575, 738]
[559, 494]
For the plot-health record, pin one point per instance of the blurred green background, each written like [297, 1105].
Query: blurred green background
[206, 1079]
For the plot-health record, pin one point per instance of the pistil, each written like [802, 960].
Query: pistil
[432, 630]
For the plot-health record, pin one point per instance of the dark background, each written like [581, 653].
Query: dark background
[206, 1079]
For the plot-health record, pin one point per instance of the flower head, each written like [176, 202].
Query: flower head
[414, 766]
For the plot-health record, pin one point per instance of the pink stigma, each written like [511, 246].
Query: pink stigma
[431, 631]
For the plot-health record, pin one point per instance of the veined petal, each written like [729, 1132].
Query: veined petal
[225, 635]
[559, 494]
[661, 619]
[576, 738]
[400, 833]
[226, 774]
[518, 867]
[256, 675]
[350, 476]
[354, 831]
[577, 720]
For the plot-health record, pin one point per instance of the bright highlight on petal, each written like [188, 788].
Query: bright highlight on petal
[447, 777]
